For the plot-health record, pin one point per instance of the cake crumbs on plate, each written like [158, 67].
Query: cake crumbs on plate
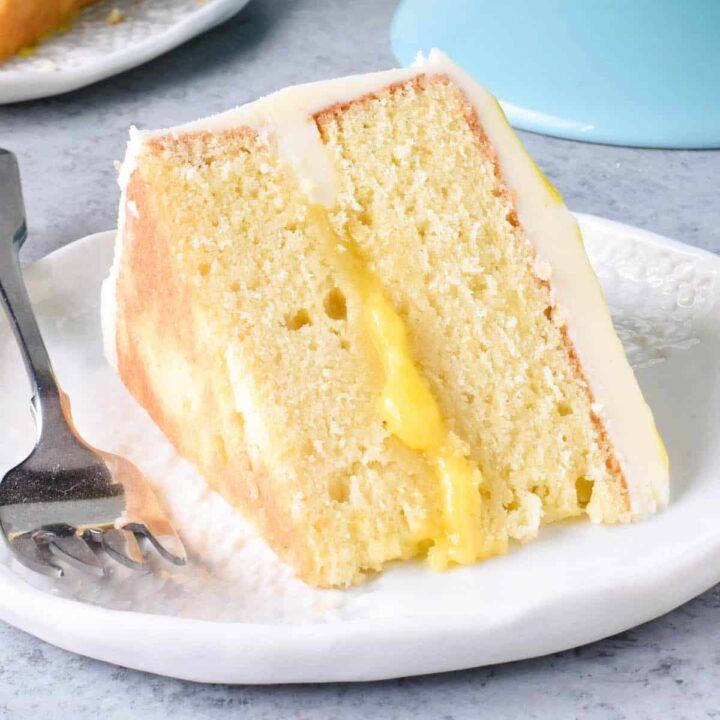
[115, 17]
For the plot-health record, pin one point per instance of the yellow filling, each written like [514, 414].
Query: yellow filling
[412, 414]
[63, 27]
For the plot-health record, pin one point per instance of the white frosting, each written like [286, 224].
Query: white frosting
[549, 226]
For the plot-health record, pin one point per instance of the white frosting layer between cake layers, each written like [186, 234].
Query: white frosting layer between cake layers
[549, 227]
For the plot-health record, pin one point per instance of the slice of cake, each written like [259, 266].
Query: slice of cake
[365, 315]
[25, 22]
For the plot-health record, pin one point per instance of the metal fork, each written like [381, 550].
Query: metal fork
[67, 500]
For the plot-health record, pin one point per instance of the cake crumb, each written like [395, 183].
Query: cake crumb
[115, 17]
[47, 66]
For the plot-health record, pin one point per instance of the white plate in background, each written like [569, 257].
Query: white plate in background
[93, 49]
[235, 613]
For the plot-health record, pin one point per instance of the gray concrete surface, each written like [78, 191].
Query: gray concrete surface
[667, 668]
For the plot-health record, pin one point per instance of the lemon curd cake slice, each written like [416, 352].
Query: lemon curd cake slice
[365, 315]
[26, 22]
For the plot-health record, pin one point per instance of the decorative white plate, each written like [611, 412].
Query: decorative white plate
[235, 614]
[94, 49]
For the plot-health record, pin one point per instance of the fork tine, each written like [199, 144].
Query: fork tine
[144, 515]
[164, 540]
[74, 551]
[123, 547]
[34, 556]
[135, 551]
[170, 547]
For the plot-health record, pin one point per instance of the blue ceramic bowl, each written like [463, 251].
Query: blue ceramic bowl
[624, 72]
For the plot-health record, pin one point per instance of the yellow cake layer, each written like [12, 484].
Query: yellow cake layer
[374, 367]
[421, 197]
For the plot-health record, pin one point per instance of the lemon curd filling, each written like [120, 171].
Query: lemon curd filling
[63, 27]
[412, 415]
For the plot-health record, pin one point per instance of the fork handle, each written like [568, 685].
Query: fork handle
[48, 398]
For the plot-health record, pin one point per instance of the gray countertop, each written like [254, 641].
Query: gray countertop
[67, 145]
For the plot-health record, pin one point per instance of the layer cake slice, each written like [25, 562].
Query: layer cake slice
[365, 315]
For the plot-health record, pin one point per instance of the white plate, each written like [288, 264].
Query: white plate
[239, 616]
[93, 49]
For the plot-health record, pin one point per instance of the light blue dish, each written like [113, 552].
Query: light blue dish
[623, 72]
